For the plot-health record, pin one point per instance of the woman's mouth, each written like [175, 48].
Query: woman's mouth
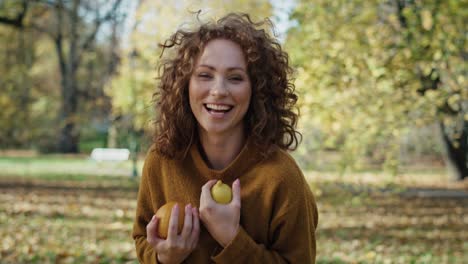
[218, 108]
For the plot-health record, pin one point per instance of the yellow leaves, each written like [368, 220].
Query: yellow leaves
[372, 36]
[407, 12]
[374, 67]
[426, 68]
[33, 231]
[337, 45]
[335, 48]
[461, 79]
[336, 126]
[370, 256]
[366, 71]
[426, 19]
[7, 243]
[393, 20]
[437, 55]
[432, 95]
[454, 102]
[370, 221]
[116, 226]
[407, 52]
[352, 66]
[119, 213]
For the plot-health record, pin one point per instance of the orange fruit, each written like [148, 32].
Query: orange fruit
[164, 215]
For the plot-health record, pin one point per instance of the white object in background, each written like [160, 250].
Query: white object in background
[110, 154]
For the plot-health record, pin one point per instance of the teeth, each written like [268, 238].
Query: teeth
[218, 107]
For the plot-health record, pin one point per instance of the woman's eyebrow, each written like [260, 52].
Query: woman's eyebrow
[228, 69]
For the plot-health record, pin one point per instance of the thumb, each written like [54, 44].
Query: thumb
[206, 190]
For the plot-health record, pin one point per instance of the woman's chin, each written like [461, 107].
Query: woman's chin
[220, 130]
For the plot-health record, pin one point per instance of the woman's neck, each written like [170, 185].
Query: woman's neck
[221, 150]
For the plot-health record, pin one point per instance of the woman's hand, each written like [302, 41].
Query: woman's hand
[176, 247]
[221, 220]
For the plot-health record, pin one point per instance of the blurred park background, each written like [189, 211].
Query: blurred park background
[383, 100]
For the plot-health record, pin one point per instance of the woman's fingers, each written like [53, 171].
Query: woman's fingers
[236, 193]
[175, 246]
[196, 228]
[187, 222]
[173, 223]
[151, 226]
[152, 231]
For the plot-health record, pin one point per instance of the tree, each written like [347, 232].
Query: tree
[17, 55]
[370, 69]
[73, 27]
[17, 20]
[439, 61]
[70, 60]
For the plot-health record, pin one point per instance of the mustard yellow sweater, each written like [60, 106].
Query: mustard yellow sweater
[278, 211]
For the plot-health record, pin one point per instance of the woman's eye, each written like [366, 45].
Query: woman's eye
[204, 75]
[236, 78]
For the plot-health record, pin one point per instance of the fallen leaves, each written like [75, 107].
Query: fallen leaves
[85, 222]
[50, 224]
[365, 223]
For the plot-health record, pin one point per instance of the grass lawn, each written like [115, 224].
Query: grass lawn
[72, 210]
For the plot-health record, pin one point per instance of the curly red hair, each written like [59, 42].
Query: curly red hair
[271, 118]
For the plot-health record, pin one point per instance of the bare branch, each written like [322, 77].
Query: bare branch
[42, 30]
[97, 24]
[17, 22]
[400, 5]
[58, 40]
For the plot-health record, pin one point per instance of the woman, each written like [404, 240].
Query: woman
[225, 105]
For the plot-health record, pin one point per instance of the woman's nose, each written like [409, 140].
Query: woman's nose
[219, 88]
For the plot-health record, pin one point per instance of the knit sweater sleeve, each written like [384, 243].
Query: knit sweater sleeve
[144, 213]
[292, 236]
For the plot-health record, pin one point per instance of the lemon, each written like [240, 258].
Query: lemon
[221, 193]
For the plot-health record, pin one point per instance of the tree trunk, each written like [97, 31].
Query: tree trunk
[69, 134]
[25, 99]
[456, 151]
[112, 136]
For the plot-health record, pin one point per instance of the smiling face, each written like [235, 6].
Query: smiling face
[220, 89]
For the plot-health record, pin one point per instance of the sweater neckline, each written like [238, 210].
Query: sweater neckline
[246, 158]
